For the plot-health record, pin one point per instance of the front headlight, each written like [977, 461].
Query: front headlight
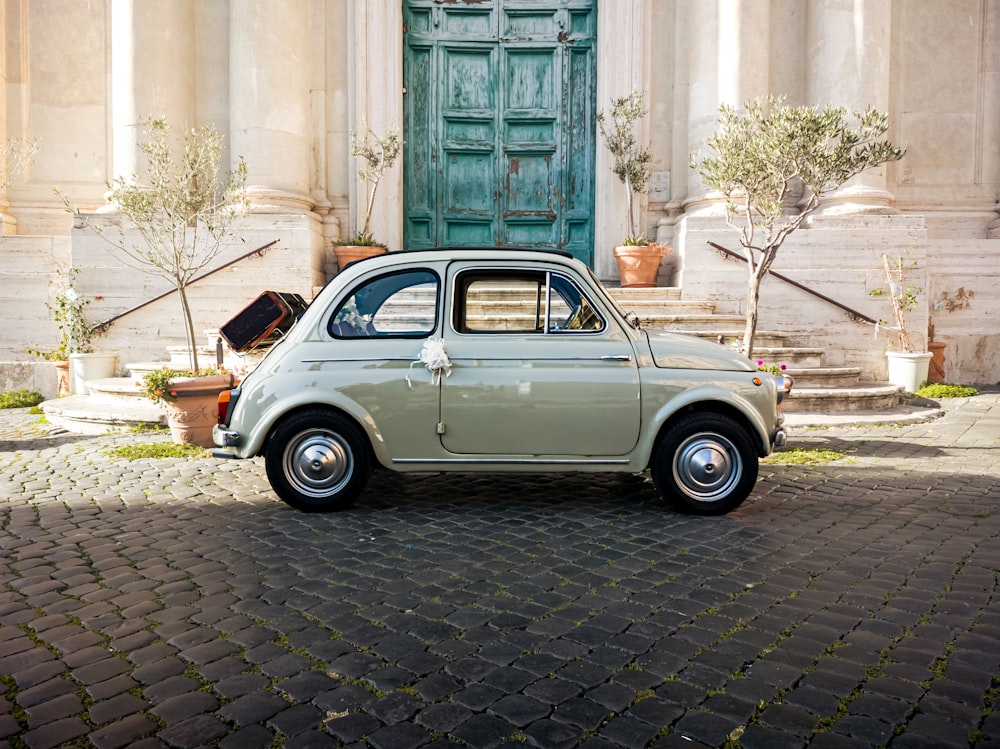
[784, 382]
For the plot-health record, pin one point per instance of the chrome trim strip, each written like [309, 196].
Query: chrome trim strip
[513, 461]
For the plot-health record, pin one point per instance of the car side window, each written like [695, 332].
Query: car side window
[522, 302]
[400, 305]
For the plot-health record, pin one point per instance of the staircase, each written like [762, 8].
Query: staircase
[818, 389]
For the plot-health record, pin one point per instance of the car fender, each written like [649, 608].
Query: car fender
[708, 397]
[271, 414]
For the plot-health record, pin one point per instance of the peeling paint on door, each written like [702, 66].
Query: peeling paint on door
[499, 123]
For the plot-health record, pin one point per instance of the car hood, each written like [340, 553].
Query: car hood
[679, 351]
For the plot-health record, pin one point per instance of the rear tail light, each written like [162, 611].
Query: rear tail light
[224, 398]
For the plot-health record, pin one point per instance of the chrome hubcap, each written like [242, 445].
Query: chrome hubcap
[706, 467]
[318, 463]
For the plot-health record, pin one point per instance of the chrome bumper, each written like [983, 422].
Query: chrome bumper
[223, 437]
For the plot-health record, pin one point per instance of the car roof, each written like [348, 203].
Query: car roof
[498, 253]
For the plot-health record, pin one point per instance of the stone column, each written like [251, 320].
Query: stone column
[991, 108]
[152, 73]
[269, 101]
[848, 59]
[377, 88]
[728, 63]
[8, 226]
[622, 57]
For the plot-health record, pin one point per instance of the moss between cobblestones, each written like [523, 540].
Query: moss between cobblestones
[157, 450]
[804, 456]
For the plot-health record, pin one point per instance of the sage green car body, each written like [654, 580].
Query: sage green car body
[539, 400]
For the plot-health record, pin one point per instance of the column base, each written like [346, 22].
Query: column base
[857, 200]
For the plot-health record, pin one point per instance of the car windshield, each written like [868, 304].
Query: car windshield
[630, 317]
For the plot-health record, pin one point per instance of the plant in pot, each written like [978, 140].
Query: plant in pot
[184, 215]
[637, 258]
[190, 400]
[376, 155]
[907, 368]
[74, 357]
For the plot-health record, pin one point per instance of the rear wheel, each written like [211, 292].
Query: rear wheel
[317, 461]
[705, 464]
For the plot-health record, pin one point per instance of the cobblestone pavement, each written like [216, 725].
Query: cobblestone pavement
[179, 603]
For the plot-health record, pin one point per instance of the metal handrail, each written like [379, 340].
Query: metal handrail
[102, 327]
[852, 313]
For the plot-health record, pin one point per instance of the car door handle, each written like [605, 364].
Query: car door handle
[616, 357]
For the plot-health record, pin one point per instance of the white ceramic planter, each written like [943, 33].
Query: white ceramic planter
[908, 370]
[85, 367]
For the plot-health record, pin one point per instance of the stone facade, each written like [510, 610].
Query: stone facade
[286, 81]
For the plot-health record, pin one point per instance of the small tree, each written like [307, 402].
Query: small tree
[68, 310]
[631, 159]
[376, 155]
[903, 296]
[762, 154]
[184, 215]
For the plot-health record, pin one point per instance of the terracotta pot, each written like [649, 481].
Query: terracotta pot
[348, 253]
[639, 264]
[936, 371]
[194, 412]
[63, 384]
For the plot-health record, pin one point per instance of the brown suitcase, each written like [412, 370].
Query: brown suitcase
[263, 321]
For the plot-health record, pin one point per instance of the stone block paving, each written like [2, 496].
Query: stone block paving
[178, 603]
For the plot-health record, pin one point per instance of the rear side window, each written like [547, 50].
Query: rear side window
[397, 305]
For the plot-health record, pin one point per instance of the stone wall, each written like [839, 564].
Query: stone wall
[963, 296]
[27, 267]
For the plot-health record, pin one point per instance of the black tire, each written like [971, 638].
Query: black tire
[705, 464]
[317, 461]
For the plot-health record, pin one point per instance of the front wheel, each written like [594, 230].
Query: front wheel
[705, 464]
[317, 461]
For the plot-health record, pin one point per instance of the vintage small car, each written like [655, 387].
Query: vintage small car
[473, 360]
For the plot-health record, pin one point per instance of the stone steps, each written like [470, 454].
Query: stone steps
[113, 404]
[864, 397]
[817, 389]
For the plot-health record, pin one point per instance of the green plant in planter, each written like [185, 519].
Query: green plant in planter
[376, 155]
[68, 306]
[158, 384]
[631, 159]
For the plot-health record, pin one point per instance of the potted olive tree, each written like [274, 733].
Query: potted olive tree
[376, 155]
[185, 214]
[637, 258]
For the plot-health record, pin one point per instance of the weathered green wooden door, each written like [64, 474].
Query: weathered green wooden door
[499, 128]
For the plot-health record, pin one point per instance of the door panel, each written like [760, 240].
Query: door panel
[554, 378]
[499, 124]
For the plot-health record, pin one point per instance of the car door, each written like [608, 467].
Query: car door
[537, 369]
